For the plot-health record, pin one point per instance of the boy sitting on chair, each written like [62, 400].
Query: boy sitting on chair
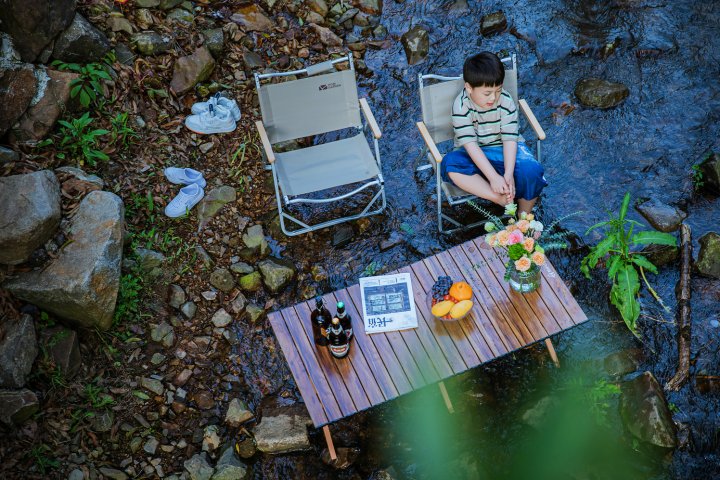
[495, 163]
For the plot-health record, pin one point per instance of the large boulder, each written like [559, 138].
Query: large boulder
[645, 412]
[81, 284]
[18, 349]
[416, 43]
[16, 406]
[18, 86]
[598, 93]
[283, 430]
[277, 273]
[37, 196]
[191, 70]
[34, 23]
[51, 101]
[708, 262]
[665, 218]
[81, 42]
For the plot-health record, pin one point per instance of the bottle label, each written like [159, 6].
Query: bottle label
[339, 350]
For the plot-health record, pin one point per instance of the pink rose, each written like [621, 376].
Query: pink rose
[536, 235]
[515, 237]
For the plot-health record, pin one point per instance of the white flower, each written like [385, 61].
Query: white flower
[537, 226]
[490, 227]
[510, 209]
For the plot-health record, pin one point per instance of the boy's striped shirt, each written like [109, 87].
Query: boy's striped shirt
[486, 127]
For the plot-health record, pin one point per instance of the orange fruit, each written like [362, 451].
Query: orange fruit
[441, 309]
[461, 309]
[461, 291]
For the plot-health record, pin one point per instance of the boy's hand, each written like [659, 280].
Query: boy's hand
[510, 184]
[498, 184]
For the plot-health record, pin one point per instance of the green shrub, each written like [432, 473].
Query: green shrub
[88, 87]
[78, 141]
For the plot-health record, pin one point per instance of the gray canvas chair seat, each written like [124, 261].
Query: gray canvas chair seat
[436, 128]
[317, 168]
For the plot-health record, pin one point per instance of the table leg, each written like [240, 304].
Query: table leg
[446, 397]
[553, 354]
[328, 439]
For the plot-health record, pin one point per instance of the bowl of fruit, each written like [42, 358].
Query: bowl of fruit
[450, 300]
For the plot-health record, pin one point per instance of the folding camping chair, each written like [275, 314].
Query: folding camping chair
[436, 127]
[324, 101]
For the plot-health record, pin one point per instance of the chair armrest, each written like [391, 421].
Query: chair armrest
[534, 124]
[265, 142]
[370, 118]
[429, 142]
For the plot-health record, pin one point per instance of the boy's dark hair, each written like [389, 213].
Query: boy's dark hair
[484, 70]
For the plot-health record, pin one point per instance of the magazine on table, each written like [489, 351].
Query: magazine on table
[388, 303]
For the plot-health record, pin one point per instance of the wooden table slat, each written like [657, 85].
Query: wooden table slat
[551, 277]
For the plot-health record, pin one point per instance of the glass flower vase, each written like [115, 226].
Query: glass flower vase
[523, 282]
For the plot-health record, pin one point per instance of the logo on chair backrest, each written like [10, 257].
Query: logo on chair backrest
[328, 86]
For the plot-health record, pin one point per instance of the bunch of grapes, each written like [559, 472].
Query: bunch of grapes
[441, 288]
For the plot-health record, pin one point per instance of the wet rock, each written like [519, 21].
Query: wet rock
[150, 262]
[81, 42]
[242, 268]
[211, 204]
[61, 345]
[51, 101]
[8, 155]
[537, 415]
[283, 430]
[211, 439]
[645, 412]
[416, 43]
[318, 6]
[163, 333]
[81, 284]
[371, 7]
[623, 362]
[18, 87]
[34, 23]
[103, 421]
[254, 238]
[168, 4]
[222, 279]
[661, 255]
[327, 37]
[192, 69]
[16, 406]
[153, 385]
[710, 169]
[151, 43]
[176, 296]
[229, 467]
[18, 349]
[254, 313]
[188, 309]
[253, 18]
[665, 218]
[390, 242]
[215, 41]
[116, 22]
[345, 457]
[237, 413]
[81, 175]
[384, 474]
[198, 467]
[113, 474]
[180, 15]
[598, 93]
[493, 23]
[221, 318]
[342, 236]
[251, 282]
[37, 196]
[277, 273]
[708, 261]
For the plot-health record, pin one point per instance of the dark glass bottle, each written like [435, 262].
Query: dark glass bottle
[338, 341]
[344, 318]
[320, 320]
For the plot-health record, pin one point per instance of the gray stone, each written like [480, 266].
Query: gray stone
[113, 474]
[348, 15]
[416, 43]
[318, 6]
[180, 15]
[198, 467]
[191, 70]
[708, 261]
[153, 385]
[238, 303]
[8, 155]
[254, 238]
[242, 268]
[204, 257]
[327, 36]
[117, 23]
[103, 421]
[151, 43]
[143, 19]
[251, 282]
[18, 349]
[371, 7]
[213, 201]
[16, 406]
[253, 18]
[82, 175]
[221, 318]
[252, 59]
[18, 86]
[662, 217]
[176, 295]
[598, 93]
[163, 333]
[237, 413]
[222, 279]
[246, 448]
[34, 23]
[493, 23]
[215, 41]
[150, 262]
[254, 312]
[147, 3]
[710, 169]
[81, 285]
[151, 445]
[229, 467]
[645, 412]
[277, 273]
[123, 54]
[168, 4]
[189, 309]
[61, 345]
[623, 362]
[157, 358]
[76, 474]
[661, 255]
[37, 196]
[283, 431]
[81, 42]
[211, 439]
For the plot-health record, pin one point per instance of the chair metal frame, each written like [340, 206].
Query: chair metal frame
[434, 157]
[375, 182]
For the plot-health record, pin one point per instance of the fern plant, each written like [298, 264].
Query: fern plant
[623, 263]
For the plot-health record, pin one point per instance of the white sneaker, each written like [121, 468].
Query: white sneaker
[184, 176]
[217, 119]
[187, 198]
[216, 100]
